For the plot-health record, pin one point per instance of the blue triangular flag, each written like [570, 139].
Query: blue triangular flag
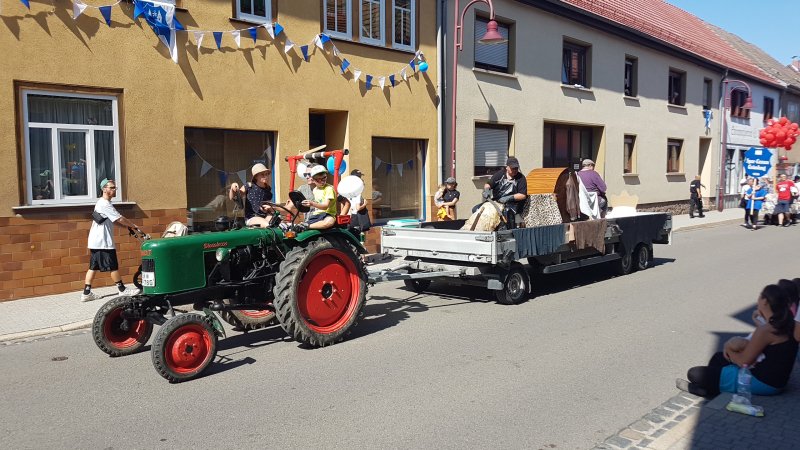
[413, 65]
[323, 38]
[218, 38]
[304, 49]
[388, 168]
[189, 152]
[345, 65]
[106, 12]
[223, 178]
[391, 80]
[253, 33]
[26, 3]
[278, 29]
[178, 25]
[138, 8]
[410, 163]
[369, 81]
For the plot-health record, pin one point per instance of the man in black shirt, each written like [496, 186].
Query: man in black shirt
[695, 197]
[508, 186]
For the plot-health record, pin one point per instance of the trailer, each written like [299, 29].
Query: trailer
[438, 250]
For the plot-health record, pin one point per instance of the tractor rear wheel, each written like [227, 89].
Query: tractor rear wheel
[320, 292]
[249, 319]
[184, 346]
[116, 335]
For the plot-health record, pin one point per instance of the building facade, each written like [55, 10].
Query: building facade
[82, 101]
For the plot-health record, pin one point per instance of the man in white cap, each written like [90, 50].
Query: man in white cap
[101, 242]
[594, 183]
[255, 194]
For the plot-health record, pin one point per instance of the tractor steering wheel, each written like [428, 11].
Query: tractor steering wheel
[279, 206]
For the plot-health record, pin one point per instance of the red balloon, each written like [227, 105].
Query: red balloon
[791, 140]
[788, 147]
[763, 141]
[784, 120]
[780, 135]
[762, 134]
[770, 136]
[793, 126]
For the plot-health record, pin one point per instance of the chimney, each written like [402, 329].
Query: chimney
[795, 65]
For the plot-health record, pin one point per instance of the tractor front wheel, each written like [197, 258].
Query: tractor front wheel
[320, 292]
[184, 346]
[116, 335]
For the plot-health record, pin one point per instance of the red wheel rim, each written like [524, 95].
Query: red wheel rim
[119, 338]
[256, 313]
[188, 348]
[329, 291]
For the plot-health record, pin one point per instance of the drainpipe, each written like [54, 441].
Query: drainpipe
[723, 144]
[440, 35]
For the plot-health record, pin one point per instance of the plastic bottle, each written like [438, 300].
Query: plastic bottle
[743, 385]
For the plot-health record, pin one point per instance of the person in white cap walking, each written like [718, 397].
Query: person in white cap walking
[255, 194]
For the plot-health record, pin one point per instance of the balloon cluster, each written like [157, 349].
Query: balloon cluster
[779, 133]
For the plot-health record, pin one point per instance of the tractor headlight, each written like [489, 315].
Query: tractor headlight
[222, 254]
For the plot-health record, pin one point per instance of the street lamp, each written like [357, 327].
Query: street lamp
[726, 104]
[492, 36]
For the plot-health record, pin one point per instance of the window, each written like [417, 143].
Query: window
[707, 93]
[674, 160]
[566, 146]
[215, 158]
[574, 69]
[71, 144]
[769, 108]
[675, 94]
[738, 100]
[492, 143]
[491, 56]
[629, 156]
[404, 24]
[337, 18]
[259, 11]
[372, 22]
[397, 178]
[631, 69]
[793, 111]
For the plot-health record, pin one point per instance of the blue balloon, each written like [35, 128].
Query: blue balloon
[423, 66]
[331, 162]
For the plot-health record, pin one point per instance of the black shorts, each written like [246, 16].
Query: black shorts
[103, 260]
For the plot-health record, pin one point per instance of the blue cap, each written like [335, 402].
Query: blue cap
[104, 183]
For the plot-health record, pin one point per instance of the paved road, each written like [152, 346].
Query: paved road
[587, 356]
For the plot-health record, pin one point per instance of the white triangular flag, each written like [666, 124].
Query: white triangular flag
[335, 51]
[78, 7]
[237, 37]
[403, 74]
[198, 36]
[382, 82]
[205, 168]
[270, 30]
[288, 46]
[356, 75]
[377, 163]
[399, 169]
[243, 175]
[318, 42]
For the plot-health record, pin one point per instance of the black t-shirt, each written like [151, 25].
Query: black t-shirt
[694, 187]
[449, 195]
[501, 186]
[255, 196]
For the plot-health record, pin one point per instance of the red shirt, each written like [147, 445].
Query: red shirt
[785, 190]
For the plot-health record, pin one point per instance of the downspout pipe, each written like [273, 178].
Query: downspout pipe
[440, 37]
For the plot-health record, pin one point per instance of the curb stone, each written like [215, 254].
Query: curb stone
[45, 331]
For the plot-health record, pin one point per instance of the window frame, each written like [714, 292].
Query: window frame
[348, 35]
[252, 17]
[769, 108]
[671, 143]
[708, 93]
[633, 63]
[381, 22]
[738, 98]
[90, 147]
[681, 83]
[584, 51]
[486, 66]
[496, 126]
[629, 158]
[413, 29]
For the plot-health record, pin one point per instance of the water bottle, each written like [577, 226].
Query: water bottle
[743, 385]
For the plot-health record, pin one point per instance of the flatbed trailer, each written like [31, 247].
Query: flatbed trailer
[492, 259]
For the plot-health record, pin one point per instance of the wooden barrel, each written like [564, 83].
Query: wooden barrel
[553, 181]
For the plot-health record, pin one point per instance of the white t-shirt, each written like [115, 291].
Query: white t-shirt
[355, 202]
[101, 236]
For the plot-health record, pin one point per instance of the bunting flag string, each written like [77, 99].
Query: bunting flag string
[392, 166]
[206, 167]
[160, 15]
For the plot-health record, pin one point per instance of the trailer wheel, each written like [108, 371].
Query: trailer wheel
[320, 292]
[184, 347]
[115, 335]
[418, 286]
[641, 257]
[624, 265]
[516, 285]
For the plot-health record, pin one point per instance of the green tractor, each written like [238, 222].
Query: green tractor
[313, 282]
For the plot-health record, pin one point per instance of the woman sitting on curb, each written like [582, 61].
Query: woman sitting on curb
[773, 337]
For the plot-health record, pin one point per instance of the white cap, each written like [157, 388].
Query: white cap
[318, 169]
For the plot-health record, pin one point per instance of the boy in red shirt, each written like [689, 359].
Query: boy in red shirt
[785, 189]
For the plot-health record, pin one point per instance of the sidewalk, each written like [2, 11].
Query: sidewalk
[37, 316]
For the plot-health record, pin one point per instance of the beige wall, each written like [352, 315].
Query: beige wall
[533, 95]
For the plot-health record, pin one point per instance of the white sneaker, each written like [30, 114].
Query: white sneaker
[130, 291]
[89, 297]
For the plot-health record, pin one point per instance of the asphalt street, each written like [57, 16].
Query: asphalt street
[587, 355]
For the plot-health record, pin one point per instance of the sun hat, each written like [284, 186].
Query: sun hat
[257, 169]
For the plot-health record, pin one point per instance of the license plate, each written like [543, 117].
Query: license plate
[148, 279]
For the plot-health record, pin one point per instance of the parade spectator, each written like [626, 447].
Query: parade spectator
[774, 338]
[507, 186]
[594, 183]
[446, 198]
[792, 291]
[743, 186]
[101, 242]
[255, 194]
[359, 214]
[696, 197]
[785, 190]
[754, 195]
